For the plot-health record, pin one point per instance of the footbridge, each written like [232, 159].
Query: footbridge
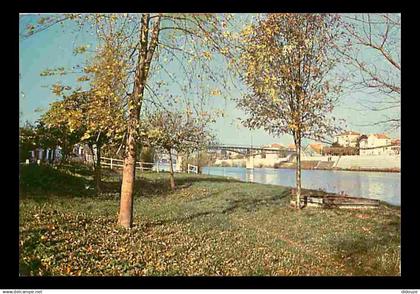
[250, 151]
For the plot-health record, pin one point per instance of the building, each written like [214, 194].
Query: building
[339, 151]
[270, 155]
[376, 144]
[396, 146]
[45, 155]
[275, 146]
[314, 149]
[347, 139]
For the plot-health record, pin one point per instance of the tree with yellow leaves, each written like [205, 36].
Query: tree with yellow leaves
[287, 61]
[153, 44]
[98, 111]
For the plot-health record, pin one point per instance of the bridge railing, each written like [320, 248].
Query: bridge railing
[233, 146]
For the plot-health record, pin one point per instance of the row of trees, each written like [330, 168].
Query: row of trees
[45, 137]
[129, 79]
[286, 61]
[161, 132]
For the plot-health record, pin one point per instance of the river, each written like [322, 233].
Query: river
[375, 185]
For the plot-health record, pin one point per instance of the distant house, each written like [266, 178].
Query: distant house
[231, 154]
[347, 139]
[273, 156]
[314, 149]
[82, 152]
[276, 146]
[45, 155]
[396, 146]
[396, 142]
[340, 151]
[291, 147]
[376, 144]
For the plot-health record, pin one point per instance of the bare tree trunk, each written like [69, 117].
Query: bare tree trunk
[171, 168]
[298, 171]
[187, 161]
[125, 217]
[66, 151]
[98, 169]
[91, 150]
[198, 163]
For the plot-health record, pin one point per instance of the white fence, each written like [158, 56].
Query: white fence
[119, 163]
[142, 166]
[116, 163]
[192, 169]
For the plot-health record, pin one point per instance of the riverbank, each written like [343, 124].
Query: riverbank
[208, 226]
[376, 163]
[373, 185]
[383, 170]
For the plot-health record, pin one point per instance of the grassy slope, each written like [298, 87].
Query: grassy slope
[208, 226]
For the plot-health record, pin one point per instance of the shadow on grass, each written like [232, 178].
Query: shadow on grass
[158, 187]
[371, 254]
[76, 180]
[77, 168]
[246, 204]
[42, 181]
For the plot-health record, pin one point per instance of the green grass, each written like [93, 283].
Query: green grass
[208, 226]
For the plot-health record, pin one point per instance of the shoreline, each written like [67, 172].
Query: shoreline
[331, 169]
[349, 169]
[313, 191]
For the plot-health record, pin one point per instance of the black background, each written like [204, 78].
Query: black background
[9, 201]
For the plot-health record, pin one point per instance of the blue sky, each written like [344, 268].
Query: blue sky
[54, 48]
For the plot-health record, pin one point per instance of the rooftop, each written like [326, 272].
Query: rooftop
[276, 145]
[396, 141]
[349, 133]
[380, 136]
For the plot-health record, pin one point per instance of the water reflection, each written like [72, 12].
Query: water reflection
[270, 178]
[376, 185]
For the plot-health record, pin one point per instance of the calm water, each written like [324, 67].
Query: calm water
[375, 185]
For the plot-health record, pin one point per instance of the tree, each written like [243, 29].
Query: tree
[54, 135]
[82, 113]
[286, 64]
[373, 56]
[147, 154]
[96, 112]
[174, 131]
[152, 45]
[199, 158]
[193, 28]
[27, 140]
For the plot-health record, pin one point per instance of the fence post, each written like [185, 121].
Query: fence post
[111, 163]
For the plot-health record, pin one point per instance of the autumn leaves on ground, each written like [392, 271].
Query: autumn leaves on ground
[207, 226]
